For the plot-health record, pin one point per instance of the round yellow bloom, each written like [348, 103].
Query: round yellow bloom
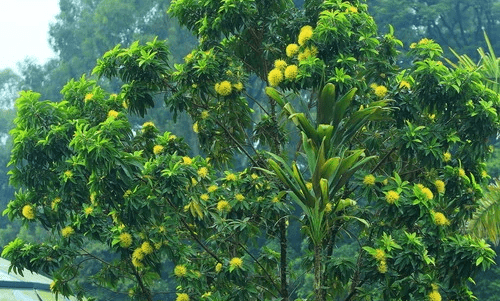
[180, 270]
[275, 77]
[67, 231]
[434, 296]
[182, 297]
[195, 127]
[187, 160]
[231, 177]
[305, 34]
[172, 137]
[446, 157]
[379, 255]
[112, 114]
[413, 45]
[353, 9]
[203, 172]
[391, 196]
[28, 212]
[440, 219]
[276, 200]
[280, 64]
[125, 240]
[440, 186]
[88, 97]
[292, 49]
[158, 149]
[88, 210]
[68, 174]
[147, 125]
[236, 262]
[147, 248]
[239, 197]
[138, 254]
[425, 41]
[223, 88]
[204, 197]
[369, 180]
[223, 206]
[428, 193]
[291, 72]
[218, 267]
[212, 188]
[461, 172]
[382, 267]
[254, 176]
[404, 84]
[380, 91]
[238, 86]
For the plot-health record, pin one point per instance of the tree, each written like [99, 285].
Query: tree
[388, 170]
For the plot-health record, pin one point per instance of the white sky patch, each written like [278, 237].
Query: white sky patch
[24, 27]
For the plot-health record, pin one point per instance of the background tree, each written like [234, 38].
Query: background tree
[402, 184]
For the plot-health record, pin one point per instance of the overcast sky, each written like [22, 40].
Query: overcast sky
[24, 26]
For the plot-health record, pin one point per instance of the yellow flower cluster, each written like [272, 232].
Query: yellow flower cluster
[238, 86]
[292, 50]
[434, 296]
[158, 149]
[425, 41]
[204, 197]
[280, 64]
[369, 180]
[186, 160]
[125, 240]
[180, 270]
[223, 88]
[68, 174]
[309, 51]
[328, 207]
[231, 177]
[137, 257]
[55, 202]
[212, 188]
[380, 91]
[147, 248]
[67, 231]
[275, 77]
[236, 262]
[218, 267]
[88, 97]
[391, 196]
[112, 114]
[203, 172]
[446, 157]
[239, 197]
[147, 125]
[223, 206]
[440, 186]
[182, 297]
[461, 172]
[404, 84]
[204, 114]
[28, 212]
[305, 34]
[379, 255]
[196, 128]
[88, 210]
[440, 219]
[428, 193]
[291, 72]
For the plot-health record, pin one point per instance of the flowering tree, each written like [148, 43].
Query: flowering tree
[388, 169]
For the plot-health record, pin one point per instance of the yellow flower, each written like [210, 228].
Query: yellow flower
[28, 212]
[254, 176]
[280, 64]
[440, 219]
[379, 255]
[204, 114]
[391, 196]
[138, 254]
[328, 207]
[147, 125]
[88, 97]
[305, 34]
[171, 137]
[440, 186]
[382, 267]
[203, 172]
[239, 197]
[238, 86]
[207, 294]
[187, 160]
[223, 88]
[236, 262]
[137, 263]
[446, 157]
[125, 240]
[275, 77]
[212, 188]
[55, 202]
[127, 193]
[291, 72]
[204, 197]
[125, 104]
[188, 57]
[52, 285]
[218, 267]
[292, 49]
[309, 185]
[461, 172]
[434, 296]
[147, 248]
[275, 199]
[112, 114]
[158, 149]
[223, 206]
[88, 210]
[373, 86]
[180, 270]
[369, 180]
[67, 231]
[231, 177]
[425, 41]
[68, 174]
[182, 297]
[195, 127]
[413, 45]
[428, 193]
[380, 91]
[404, 84]
[353, 9]
[194, 181]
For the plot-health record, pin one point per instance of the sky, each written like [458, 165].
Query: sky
[24, 26]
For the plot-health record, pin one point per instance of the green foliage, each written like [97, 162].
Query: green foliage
[388, 170]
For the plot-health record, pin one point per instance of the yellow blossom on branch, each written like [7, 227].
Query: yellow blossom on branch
[182, 297]
[125, 240]
[369, 180]
[440, 186]
[292, 49]
[158, 149]
[223, 88]
[236, 262]
[291, 72]
[434, 296]
[67, 231]
[391, 196]
[275, 77]
[28, 212]
[305, 34]
[223, 206]
[280, 64]
[440, 219]
[203, 172]
[180, 270]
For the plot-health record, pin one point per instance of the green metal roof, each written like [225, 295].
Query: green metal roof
[30, 287]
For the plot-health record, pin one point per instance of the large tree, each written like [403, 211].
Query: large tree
[387, 170]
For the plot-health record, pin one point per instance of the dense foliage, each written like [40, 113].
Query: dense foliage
[385, 172]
